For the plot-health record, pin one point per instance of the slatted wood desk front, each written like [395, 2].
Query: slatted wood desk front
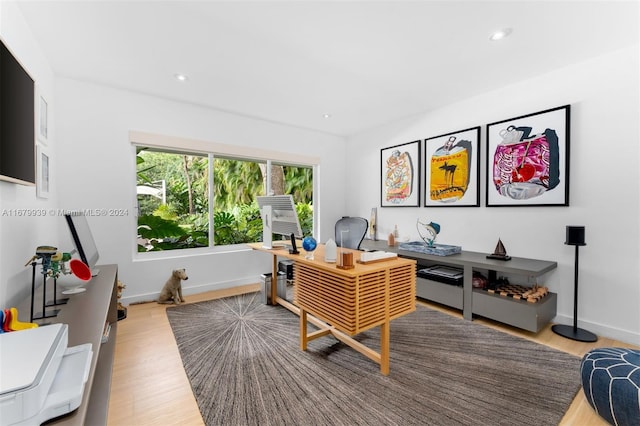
[345, 302]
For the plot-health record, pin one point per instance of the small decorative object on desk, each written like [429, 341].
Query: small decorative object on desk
[10, 321]
[530, 294]
[429, 232]
[431, 228]
[376, 256]
[372, 225]
[80, 275]
[479, 280]
[330, 251]
[500, 252]
[122, 310]
[436, 249]
[346, 260]
[309, 244]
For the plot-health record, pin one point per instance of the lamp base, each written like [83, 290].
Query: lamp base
[46, 314]
[57, 302]
[574, 333]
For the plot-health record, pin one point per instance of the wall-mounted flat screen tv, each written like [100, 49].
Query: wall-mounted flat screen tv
[17, 122]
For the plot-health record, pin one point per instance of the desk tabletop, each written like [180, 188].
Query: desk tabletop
[319, 262]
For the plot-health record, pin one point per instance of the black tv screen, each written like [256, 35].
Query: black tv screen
[17, 122]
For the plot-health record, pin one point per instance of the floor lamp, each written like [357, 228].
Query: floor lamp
[575, 237]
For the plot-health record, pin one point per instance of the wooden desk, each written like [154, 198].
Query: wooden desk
[345, 302]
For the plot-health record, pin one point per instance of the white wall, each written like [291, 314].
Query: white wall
[21, 232]
[604, 188]
[97, 170]
[92, 167]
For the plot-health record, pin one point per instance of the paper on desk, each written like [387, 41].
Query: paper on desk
[368, 256]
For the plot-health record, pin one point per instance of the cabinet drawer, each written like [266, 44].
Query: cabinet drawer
[445, 294]
[518, 313]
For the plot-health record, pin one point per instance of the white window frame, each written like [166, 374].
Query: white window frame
[211, 149]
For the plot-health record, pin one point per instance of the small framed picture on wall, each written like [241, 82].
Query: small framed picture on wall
[42, 117]
[43, 170]
[400, 175]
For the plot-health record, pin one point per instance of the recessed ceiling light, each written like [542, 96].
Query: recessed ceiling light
[181, 77]
[499, 35]
[326, 115]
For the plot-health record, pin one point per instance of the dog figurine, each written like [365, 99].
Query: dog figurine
[172, 290]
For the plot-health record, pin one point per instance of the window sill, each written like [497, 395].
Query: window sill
[190, 252]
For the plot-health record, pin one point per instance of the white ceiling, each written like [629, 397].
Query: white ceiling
[366, 63]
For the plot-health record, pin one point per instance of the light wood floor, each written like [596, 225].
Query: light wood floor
[149, 385]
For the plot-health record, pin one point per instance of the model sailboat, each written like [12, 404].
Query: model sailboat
[500, 252]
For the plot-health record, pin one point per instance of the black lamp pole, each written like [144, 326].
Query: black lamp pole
[575, 237]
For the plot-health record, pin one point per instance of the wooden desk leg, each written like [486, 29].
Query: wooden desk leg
[384, 348]
[303, 330]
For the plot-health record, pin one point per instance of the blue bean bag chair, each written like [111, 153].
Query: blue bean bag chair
[611, 384]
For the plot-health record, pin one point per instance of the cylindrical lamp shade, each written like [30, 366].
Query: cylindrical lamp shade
[575, 236]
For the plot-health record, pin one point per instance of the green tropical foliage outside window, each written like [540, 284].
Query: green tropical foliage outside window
[173, 199]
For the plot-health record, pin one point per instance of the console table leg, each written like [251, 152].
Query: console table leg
[467, 293]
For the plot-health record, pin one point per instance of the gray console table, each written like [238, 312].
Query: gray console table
[518, 313]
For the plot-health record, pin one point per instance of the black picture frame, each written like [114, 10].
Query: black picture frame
[400, 175]
[452, 169]
[528, 160]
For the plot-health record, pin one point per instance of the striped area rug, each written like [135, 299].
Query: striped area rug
[245, 366]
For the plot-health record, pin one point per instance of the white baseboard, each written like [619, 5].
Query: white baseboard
[602, 330]
[186, 290]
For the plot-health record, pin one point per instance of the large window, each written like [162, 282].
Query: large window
[188, 200]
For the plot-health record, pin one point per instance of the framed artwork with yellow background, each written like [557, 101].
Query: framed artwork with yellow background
[452, 169]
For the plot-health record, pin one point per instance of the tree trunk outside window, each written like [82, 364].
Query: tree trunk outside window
[277, 179]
